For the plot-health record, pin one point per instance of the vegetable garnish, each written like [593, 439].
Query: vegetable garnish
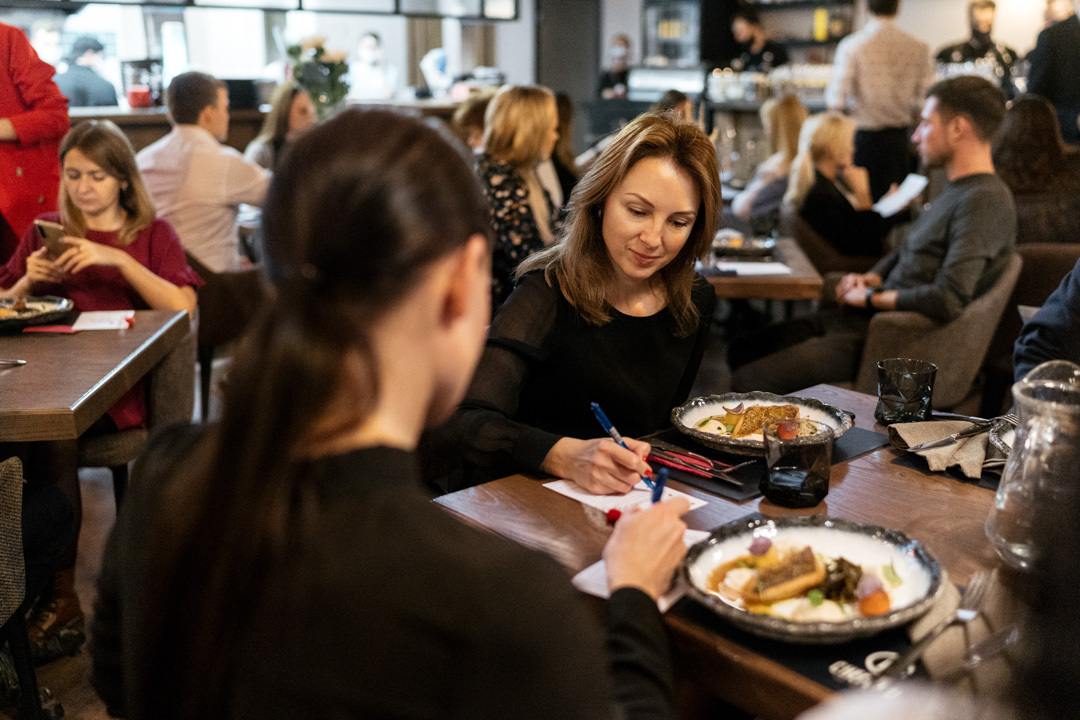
[816, 598]
[890, 574]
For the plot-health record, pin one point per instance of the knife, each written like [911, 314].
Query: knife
[12, 363]
[966, 433]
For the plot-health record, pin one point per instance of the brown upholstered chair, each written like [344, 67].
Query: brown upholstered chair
[822, 254]
[957, 348]
[228, 301]
[1045, 265]
[170, 400]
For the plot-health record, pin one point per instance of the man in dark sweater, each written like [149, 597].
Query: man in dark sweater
[953, 254]
[1054, 332]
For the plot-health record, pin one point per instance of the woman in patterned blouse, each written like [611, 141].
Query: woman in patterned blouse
[521, 130]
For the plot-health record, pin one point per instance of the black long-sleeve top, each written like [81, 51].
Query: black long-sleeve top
[544, 365]
[1054, 67]
[1054, 331]
[831, 214]
[395, 610]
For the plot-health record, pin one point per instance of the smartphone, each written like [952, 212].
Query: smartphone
[51, 234]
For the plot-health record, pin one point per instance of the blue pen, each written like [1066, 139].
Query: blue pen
[661, 481]
[610, 430]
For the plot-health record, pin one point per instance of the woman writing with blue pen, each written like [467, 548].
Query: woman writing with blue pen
[613, 313]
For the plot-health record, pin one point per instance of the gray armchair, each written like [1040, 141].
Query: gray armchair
[170, 400]
[957, 348]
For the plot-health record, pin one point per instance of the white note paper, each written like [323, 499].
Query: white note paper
[640, 496]
[593, 579]
[910, 189]
[104, 320]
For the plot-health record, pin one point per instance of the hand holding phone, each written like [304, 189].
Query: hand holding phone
[51, 235]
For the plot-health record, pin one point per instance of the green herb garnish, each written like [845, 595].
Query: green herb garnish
[816, 598]
[890, 574]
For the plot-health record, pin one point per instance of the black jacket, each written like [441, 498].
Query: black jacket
[1055, 67]
[1054, 332]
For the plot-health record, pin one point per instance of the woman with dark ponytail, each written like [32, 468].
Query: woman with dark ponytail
[287, 563]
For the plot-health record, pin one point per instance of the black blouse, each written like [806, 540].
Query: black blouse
[393, 608]
[850, 231]
[544, 365]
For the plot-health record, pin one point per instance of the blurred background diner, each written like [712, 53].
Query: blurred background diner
[810, 112]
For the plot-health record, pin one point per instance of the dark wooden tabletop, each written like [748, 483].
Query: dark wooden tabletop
[69, 381]
[804, 282]
[881, 488]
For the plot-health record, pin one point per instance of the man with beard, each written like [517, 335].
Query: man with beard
[954, 253]
[981, 46]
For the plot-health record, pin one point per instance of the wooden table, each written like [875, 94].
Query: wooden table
[804, 283]
[69, 381]
[945, 515]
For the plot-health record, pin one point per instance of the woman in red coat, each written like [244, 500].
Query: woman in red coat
[33, 118]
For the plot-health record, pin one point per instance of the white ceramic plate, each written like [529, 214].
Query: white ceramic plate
[686, 417]
[866, 545]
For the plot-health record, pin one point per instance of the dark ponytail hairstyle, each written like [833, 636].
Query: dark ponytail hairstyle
[357, 210]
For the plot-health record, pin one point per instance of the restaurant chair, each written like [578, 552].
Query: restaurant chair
[228, 302]
[13, 589]
[820, 251]
[1045, 265]
[957, 348]
[170, 399]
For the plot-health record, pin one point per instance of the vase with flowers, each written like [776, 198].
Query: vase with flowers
[321, 71]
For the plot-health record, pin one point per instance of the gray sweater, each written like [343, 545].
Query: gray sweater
[955, 251]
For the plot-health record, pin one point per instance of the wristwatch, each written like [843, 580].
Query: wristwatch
[870, 292]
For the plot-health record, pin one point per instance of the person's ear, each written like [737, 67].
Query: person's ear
[471, 267]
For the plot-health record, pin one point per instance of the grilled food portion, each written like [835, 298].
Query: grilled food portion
[756, 415]
[795, 574]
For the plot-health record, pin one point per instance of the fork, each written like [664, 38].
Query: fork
[992, 646]
[970, 604]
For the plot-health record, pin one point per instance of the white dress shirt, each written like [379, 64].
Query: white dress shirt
[198, 184]
[880, 75]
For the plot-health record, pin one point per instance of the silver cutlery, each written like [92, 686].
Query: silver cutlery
[11, 363]
[988, 649]
[970, 604]
[978, 427]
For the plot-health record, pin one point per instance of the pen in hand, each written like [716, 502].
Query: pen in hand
[661, 481]
[610, 430]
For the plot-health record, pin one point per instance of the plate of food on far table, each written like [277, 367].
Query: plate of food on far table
[812, 580]
[17, 313]
[732, 422]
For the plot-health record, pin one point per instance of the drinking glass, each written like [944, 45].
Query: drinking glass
[796, 468]
[905, 390]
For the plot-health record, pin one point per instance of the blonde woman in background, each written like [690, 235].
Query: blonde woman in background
[291, 113]
[520, 130]
[783, 120]
[831, 193]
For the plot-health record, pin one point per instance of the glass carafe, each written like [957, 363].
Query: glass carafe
[1044, 463]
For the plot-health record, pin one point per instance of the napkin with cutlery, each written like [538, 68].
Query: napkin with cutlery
[969, 453]
[947, 653]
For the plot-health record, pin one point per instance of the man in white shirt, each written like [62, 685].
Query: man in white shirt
[880, 77]
[196, 182]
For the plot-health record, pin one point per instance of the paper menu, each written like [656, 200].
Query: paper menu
[593, 579]
[910, 189]
[754, 268]
[640, 496]
[104, 320]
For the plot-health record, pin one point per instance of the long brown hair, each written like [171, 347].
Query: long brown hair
[580, 260]
[106, 146]
[276, 125]
[352, 220]
[1029, 151]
